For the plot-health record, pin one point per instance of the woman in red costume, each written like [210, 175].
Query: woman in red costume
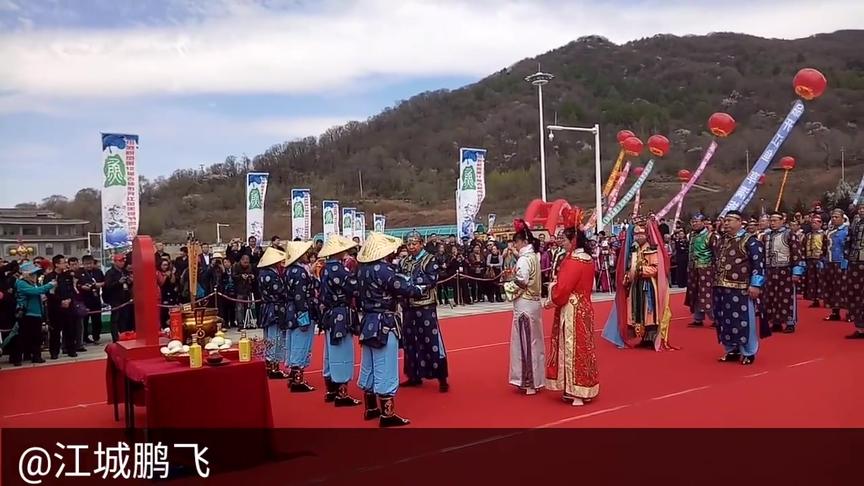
[571, 366]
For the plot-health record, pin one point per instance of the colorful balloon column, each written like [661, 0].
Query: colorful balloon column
[808, 84]
[637, 200]
[721, 125]
[787, 164]
[684, 176]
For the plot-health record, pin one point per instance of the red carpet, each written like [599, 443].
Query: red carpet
[807, 379]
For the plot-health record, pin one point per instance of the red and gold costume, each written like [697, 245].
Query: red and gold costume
[571, 366]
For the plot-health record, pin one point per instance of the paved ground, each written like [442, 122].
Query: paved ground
[96, 351]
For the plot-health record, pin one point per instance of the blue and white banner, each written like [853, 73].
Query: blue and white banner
[748, 187]
[379, 222]
[120, 210]
[256, 191]
[330, 215]
[301, 214]
[470, 189]
[858, 191]
[360, 225]
[348, 222]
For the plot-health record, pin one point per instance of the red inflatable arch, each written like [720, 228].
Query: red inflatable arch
[546, 215]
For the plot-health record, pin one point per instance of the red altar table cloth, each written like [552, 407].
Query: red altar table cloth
[234, 395]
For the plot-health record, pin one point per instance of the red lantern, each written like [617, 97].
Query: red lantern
[762, 179]
[787, 163]
[638, 171]
[721, 124]
[684, 175]
[624, 135]
[658, 145]
[809, 83]
[632, 146]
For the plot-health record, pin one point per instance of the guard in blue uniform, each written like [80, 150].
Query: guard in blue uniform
[738, 281]
[425, 356]
[339, 321]
[271, 282]
[380, 287]
[301, 315]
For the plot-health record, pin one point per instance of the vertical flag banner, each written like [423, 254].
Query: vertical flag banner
[256, 190]
[379, 222]
[747, 188]
[490, 222]
[360, 225]
[348, 222]
[301, 214]
[858, 191]
[120, 211]
[330, 215]
[470, 189]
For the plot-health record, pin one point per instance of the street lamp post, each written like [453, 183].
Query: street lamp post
[218, 234]
[539, 79]
[598, 196]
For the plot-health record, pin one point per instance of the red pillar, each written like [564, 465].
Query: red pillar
[145, 291]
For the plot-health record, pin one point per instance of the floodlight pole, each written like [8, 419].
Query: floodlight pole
[598, 196]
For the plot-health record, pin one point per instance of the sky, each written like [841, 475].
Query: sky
[199, 80]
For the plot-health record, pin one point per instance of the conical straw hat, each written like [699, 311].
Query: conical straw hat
[378, 246]
[296, 249]
[335, 244]
[271, 256]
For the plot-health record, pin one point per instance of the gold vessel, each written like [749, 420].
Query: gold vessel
[200, 323]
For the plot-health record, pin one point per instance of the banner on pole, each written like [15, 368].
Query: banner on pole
[360, 225]
[348, 222]
[120, 210]
[687, 185]
[470, 189]
[379, 222]
[610, 215]
[330, 216]
[858, 191]
[301, 214]
[256, 191]
[747, 188]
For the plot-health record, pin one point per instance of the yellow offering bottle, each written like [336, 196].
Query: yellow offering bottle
[196, 359]
[245, 346]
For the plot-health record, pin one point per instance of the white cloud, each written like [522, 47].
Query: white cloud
[238, 47]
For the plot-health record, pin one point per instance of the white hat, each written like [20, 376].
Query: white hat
[296, 249]
[378, 246]
[271, 256]
[336, 244]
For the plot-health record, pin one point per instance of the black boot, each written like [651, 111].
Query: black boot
[443, 386]
[388, 413]
[835, 315]
[298, 383]
[342, 397]
[412, 382]
[372, 410]
[331, 390]
[273, 371]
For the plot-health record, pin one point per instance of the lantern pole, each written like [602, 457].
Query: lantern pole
[539, 79]
[598, 190]
[782, 186]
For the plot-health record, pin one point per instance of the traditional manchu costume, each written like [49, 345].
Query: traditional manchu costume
[527, 347]
[855, 274]
[301, 315]
[833, 276]
[273, 310]
[380, 287]
[815, 247]
[339, 321]
[783, 261]
[424, 354]
[572, 365]
[739, 266]
[641, 312]
[700, 282]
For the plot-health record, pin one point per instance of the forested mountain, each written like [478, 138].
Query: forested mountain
[664, 84]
